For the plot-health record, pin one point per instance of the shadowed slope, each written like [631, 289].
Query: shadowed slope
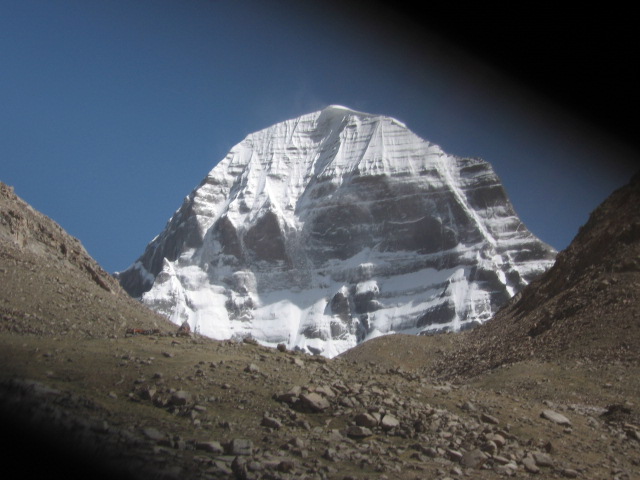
[587, 306]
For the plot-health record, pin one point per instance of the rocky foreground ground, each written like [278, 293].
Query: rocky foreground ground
[156, 406]
[93, 385]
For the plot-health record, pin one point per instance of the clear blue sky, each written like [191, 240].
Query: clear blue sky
[111, 112]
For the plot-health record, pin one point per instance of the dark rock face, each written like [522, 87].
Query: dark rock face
[340, 305]
[182, 232]
[226, 234]
[349, 226]
[338, 231]
[441, 314]
[366, 301]
[265, 240]
[392, 213]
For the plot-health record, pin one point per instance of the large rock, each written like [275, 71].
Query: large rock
[211, 447]
[389, 422]
[555, 417]
[314, 402]
[473, 459]
[366, 420]
[240, 446]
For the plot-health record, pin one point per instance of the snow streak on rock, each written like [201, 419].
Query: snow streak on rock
[326, 230]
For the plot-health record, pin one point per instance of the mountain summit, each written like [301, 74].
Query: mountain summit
[335, 227]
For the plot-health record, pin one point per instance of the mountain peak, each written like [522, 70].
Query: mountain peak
[334, 227]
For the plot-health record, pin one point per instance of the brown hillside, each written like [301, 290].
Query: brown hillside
[50, 284]
[586, 307]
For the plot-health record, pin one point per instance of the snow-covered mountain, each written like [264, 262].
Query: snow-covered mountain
[335, 227]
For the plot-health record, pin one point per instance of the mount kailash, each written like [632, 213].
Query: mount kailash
[332, 228]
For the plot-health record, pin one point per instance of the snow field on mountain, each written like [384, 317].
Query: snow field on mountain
[329, 229]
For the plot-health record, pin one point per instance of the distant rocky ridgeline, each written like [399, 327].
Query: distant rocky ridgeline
[27, 229]
[50, 286]
[335, 227]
